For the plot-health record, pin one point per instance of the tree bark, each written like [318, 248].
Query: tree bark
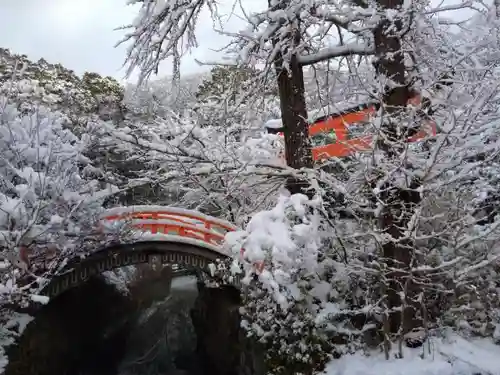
[399, 202]
[294, 113]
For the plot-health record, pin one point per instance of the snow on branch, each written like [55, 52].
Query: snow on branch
[285, 240]
[162, 29]
[165, 30]
[208, 163]
[48, 203]
[336, 51]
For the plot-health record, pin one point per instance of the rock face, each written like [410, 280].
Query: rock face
[222, 346]
[83, 329]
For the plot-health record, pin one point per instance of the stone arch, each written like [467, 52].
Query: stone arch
[186, 254]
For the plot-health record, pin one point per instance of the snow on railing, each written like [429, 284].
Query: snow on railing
[160, 223]
[171, 221]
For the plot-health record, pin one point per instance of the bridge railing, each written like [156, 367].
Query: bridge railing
[171, 221]
[175, 221]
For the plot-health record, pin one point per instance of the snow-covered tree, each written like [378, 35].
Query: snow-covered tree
[145, 102]
[227, 100]
[213, 169]
[48, 197]
[280, 254]
[415, 249]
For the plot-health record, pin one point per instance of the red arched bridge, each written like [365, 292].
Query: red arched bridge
[170, 235]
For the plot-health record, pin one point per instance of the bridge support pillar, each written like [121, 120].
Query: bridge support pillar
[222, 346]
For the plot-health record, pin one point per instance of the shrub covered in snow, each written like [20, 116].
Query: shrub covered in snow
[47, 202]
[12, 325]
[284, 266]
[316, 290]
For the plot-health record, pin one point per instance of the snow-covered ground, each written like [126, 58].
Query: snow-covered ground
[451, 356]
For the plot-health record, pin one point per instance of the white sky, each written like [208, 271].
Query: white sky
[80, 34]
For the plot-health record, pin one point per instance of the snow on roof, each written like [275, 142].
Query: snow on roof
[314, 114]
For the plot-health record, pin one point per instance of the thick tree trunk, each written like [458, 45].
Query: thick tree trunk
[294, 114]
[294, 118]
[399, 203]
